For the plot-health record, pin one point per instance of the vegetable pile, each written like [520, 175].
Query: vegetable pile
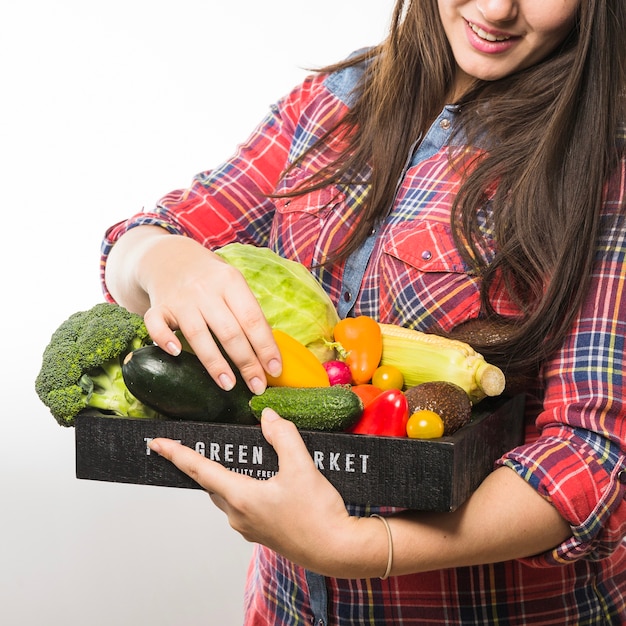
[325, 396]
[354, 375]
[447, 377]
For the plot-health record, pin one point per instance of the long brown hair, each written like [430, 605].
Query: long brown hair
[553, 132]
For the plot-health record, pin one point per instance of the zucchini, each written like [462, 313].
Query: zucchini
[179, 387]
[312, 408]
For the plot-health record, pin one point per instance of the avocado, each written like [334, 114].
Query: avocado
[447, 399]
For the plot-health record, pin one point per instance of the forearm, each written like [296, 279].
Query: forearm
[300, 515]
[504, 519]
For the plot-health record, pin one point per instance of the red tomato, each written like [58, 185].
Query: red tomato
[366, 392]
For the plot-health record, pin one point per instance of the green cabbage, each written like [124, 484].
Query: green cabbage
[289, 295]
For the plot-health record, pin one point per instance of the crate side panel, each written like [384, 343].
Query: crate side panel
[435, 475]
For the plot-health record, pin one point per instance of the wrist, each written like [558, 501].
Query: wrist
[123, 275]
[389, 545]
[360, 551]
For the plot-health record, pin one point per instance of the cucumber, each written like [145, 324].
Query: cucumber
[312, 408]
[179, 387]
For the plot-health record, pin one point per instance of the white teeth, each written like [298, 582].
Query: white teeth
[485, 35]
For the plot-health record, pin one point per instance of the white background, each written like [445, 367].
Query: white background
[104, 107]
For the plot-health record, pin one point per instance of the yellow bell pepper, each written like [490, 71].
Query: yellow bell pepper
[301, 368]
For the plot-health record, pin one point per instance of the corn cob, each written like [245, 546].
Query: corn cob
[423, 357]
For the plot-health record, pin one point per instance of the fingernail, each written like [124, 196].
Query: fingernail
[257, 386]
[269, 415]
[154, 446]
[274, 368]
[173, 349]
[226, 382]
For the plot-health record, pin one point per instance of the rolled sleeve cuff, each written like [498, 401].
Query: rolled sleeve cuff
[583, 475]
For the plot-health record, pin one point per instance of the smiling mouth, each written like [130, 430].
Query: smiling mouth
[483, 34]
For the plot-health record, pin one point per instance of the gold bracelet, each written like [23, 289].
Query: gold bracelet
[390, 544]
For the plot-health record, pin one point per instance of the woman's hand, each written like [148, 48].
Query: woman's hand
[297, 512]
[300, 515]
[177, 284]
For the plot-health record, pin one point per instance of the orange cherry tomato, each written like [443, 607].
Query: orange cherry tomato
[366, 392]
[388, 377]
[424, 424]
[361, 339]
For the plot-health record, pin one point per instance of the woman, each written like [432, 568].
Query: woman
[470, 167]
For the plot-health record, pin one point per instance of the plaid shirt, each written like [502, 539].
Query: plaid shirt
[574, 453]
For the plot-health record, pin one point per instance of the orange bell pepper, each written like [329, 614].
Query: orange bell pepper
[301, 368]
[361, 339]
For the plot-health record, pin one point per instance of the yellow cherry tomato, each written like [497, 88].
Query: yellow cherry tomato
[387, 377]
[424, 424]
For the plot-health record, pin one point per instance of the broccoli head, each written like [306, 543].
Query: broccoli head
[82, 364]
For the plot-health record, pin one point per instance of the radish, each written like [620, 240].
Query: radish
[338, 373]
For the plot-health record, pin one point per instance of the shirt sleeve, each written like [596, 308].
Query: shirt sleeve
[578, 463]
[233, 201]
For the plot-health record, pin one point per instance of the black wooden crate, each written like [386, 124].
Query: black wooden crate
[429, 475]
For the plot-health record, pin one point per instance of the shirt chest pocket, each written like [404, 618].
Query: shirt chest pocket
[306, 227]
[432, 285]
[426, 246]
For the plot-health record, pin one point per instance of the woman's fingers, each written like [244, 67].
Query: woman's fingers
[211, 301]
[294, 458]
[252, 326]
[297, 512]
[160, 322]
[210, 475]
